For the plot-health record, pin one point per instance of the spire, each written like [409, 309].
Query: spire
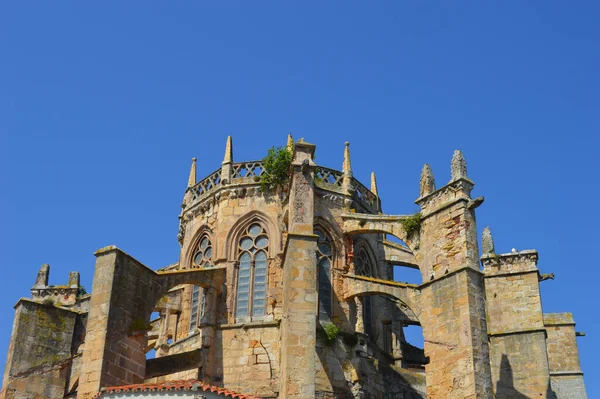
[228, 151]
[347, 168]
[290, 143]
[458, 166]
[192, 178]
[374, 184]
[487, 242]
[427, 181]
[347, 171]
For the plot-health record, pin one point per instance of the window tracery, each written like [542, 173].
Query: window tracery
[202, 258]
[324, 261]
[203, 254]
[363, 266]
[252, 273]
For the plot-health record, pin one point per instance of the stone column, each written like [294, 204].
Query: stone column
[298, 329]
[515, 325]
[452, 296]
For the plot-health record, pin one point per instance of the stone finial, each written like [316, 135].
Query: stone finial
[347, 168]
[192, 178]
[374, 184]
[74, 279]
[290, 143]
[458, 166]
[42, 276]
[228, 151]
[427, 181]
[487, 242]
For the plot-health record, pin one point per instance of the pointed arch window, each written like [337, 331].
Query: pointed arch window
[252, 273]
[203, 254]
[202, 259]
[363, 266]
[324, 261]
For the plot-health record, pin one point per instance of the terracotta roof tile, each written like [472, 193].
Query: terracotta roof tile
[183, 385]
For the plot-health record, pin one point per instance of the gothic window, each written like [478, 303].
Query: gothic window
[324, 259]
[198, 307]
[201, 259]
[252, 273]
[363, 266]
[203, 253]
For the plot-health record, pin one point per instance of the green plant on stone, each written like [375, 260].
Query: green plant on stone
[331, 332]
[412, 224]
[276, 168]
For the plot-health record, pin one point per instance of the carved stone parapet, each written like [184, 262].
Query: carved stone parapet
[510, 263]
[58, 295]
[439, 199]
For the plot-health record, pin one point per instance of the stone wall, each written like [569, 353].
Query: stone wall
[517, 335]
[40, 354]
[563, 355]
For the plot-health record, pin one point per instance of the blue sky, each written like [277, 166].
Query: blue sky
[103, 105]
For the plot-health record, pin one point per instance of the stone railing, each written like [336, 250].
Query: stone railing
[325, 177]
[247, 171]
[365, 196]
[250, 172]
[206, 185]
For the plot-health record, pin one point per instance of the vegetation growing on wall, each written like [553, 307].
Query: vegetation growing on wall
[331, 332]
[412, 224]
[276, 166]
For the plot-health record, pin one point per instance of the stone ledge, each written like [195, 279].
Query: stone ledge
[513, 273]
[558, 319]
[517, 332]
[566, 373]
[251, 324]
[49, 306]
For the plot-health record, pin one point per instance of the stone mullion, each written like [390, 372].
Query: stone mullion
[251, 288]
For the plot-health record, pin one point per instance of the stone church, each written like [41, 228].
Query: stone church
[289, 292]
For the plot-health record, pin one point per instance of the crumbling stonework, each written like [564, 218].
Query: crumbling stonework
[289, 293]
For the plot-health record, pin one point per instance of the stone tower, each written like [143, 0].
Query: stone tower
[284, 288]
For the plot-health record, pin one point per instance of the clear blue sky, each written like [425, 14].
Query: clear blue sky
[102, 106]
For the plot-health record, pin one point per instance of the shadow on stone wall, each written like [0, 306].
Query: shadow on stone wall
[372, 373]
[505, 386]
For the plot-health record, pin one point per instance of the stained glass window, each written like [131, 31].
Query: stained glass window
[252, 273]
[202, 258]
[324, 259]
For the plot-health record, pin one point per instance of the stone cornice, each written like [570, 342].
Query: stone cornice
[529, 255]
[456, 185]
[29, 300]
[511, 273]
[566, 373]
[516, 332]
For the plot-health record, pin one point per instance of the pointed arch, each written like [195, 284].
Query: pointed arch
[365, 264]
[249, 247]
[190, 252]
[230, 247]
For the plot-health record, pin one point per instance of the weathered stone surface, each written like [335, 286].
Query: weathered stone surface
[322, 235]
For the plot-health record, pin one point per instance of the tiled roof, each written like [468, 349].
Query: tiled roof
[184, 385]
